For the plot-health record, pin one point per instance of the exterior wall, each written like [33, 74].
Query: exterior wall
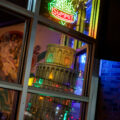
[108, 101]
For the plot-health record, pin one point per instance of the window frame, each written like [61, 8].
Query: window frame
[34, 18]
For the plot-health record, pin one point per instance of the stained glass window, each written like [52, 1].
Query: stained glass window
[52, 108]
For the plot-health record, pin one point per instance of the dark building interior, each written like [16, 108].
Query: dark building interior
[108, 32]
[108, 45]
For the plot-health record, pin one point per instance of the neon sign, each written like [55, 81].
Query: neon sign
[63, 10]
[62, 16]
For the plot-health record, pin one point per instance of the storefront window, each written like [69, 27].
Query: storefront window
[51, 108]
[55, 65]
[80, 15]
[52, 67]
[8, 103]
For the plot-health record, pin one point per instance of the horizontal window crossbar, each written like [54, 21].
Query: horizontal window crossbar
[51, 93]
[12, 86]
[63, 29]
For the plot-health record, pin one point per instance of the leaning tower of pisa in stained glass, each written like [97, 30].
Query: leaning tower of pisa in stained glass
[58, 69]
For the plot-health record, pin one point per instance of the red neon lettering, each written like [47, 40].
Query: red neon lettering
[62, 16]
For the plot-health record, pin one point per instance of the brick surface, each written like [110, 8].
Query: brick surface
[108, 101]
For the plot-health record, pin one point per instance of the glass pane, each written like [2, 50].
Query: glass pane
[28, 4]
[11, 40]
[51, 108]
[55, 63]
[8, 104]
[80, 15]
[21, 3]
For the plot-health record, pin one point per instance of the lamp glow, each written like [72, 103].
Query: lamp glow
[83, 58]
[51, 76]
[30, 82]
[65, 115]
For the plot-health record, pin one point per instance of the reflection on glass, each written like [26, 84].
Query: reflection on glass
[8, 102]
[31, 5]
[54, 62]
[80, 15]
[51, 108]
[81, 60]
[11, 40]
